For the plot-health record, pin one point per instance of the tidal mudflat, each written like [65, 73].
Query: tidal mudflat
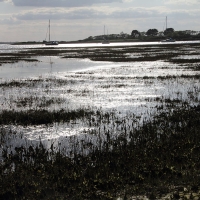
[101, 122]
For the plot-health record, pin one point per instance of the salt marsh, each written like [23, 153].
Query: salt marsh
[68, 80]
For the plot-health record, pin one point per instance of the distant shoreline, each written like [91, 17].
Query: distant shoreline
[96, 41]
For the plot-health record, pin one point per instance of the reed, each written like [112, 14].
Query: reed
[117, 154]
[162, 152]
[41, 116]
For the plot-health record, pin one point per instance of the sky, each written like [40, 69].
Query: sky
[27, 20]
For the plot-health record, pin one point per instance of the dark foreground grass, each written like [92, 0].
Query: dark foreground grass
[162, 153]
[41, 116]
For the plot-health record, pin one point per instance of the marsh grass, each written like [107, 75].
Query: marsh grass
[176, 60]
[145, 53]
[41, 116]
[39, 102]
[31, 83]
[14, 59]
[134, 154]
[163, 152]
[21, 83]
[142, 53]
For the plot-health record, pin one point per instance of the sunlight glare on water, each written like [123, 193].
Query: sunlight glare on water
[109, 86]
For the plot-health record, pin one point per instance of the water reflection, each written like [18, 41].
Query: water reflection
[9, 48]
[110, 86]
[46, 66]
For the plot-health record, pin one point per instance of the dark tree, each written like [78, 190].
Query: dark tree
[169, 31]
[152, 32]
[135, 33]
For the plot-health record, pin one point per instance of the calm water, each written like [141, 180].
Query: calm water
[46, 67]
[49, 65]
[19, 47]
[109, 86]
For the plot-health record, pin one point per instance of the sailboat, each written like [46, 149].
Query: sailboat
[105, 41]
[169, 39]
[50, 42]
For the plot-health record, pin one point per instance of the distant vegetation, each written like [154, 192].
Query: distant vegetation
[151, 34]
[135, 35]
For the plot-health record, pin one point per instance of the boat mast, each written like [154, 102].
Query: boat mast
[166, 22]
[49, 31]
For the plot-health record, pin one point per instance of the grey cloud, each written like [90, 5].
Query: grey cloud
[9, 21]
[87, 13]
[60, 3]
[58, 15]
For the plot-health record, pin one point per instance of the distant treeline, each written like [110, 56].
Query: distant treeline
[151, 34]
[135, 35]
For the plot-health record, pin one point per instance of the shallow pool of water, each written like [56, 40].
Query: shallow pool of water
[47, 66]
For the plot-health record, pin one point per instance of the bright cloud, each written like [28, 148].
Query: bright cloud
[186, 2]
[101, 13]
[78, 19]
[60, 3]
